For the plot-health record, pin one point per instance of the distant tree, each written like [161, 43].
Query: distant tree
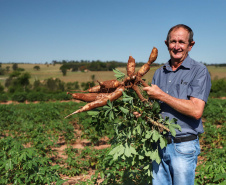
[15, 67]
[18, 81]
[2, 71]
[36, 68]
[7, 68]
[1, 88]
[64, 69]
[54, 62]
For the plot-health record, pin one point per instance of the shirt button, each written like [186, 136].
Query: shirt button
[170, 81]
[166, 91]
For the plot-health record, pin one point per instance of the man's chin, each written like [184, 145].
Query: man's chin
[177, 57]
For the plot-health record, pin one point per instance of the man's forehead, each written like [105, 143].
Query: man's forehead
[179, 32]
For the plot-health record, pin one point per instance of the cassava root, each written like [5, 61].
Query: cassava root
[112, 89]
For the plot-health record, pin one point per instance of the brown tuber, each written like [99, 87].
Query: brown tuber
[112, 89]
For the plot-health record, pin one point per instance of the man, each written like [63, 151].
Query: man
[182, 87]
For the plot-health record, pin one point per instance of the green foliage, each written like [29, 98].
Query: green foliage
[87, 85]
[2, 71]
[19, 165]
[215, 111]
[53, 85]
[136, 141]
[15, 66]
[218, 88]
[18, 81]
[1, 88]
[212, 169]
[19, 96]
[36, 68]
[211, 173]
[3, 97]
[37, 96]
[72, 86]
[118, 74]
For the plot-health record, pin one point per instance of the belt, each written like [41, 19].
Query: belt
[180, 139]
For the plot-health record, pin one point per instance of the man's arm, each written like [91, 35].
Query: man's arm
[193, 107]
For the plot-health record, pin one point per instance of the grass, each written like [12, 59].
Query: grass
[48, 71]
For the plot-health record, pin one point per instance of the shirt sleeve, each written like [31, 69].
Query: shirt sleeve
[201, 85]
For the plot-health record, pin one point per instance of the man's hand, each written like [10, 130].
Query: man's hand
[154, 92]
[192, 107]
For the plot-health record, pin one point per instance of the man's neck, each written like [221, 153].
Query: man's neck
[175, 64]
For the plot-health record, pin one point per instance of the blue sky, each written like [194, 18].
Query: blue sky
[39, 31]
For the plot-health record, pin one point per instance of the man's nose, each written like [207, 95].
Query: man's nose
[177, 45]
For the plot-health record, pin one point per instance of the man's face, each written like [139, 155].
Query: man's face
[179, 45]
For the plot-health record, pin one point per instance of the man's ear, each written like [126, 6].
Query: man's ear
[166, 43]
[191, 45]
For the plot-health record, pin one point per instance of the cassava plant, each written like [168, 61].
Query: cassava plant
[136, 141]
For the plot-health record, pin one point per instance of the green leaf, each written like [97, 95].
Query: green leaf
[138, 129]
[148, 134]
[93, 113]
[102, 175]
[156, 107]
[114, 150]
[118, 74]
[127, 151]
[155, 136]
[110, 104]
[125, 111]
[172, 130]
[141, 157]
[163, 142]
[133, 150]
[176, 126]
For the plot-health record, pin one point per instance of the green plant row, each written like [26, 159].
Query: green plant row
[29, 132]
[212, 169]
[34, 96]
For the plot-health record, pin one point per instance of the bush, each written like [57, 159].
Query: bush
[218, 88]
[1, 88]
[3, 97]
[87, 85]
[37, 96]
[72, 86]
[60, 96]
[19, 96]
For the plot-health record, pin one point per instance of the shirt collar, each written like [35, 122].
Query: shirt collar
[185, 64]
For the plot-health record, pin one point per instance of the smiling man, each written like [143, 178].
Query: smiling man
[182, 87]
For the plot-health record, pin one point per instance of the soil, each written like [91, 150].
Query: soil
[79, 144]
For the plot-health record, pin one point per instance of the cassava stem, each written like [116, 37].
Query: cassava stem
[158, 124]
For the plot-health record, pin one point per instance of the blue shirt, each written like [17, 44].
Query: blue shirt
[190, 79]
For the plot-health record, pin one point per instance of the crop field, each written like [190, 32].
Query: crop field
[105, 146]
[39, 146]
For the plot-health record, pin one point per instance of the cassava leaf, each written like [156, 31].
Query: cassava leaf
[126, 111]
[118, 74]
